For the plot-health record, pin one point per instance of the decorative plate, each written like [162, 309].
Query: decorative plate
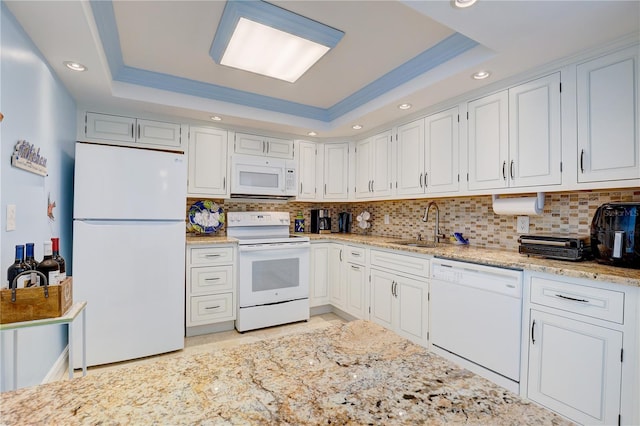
[205, 217]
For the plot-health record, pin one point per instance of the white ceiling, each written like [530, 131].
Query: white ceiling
[173, 38]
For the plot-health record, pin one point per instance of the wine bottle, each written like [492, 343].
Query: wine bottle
[62, 274]
[48, 266]
[17, 268]
[29, 259]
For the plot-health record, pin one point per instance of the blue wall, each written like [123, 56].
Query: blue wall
[37, 108]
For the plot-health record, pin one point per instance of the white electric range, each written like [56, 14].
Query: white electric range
[273, 283]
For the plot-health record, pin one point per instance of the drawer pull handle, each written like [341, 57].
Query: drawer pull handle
[357, 268]
[353, 253]
[212, 279]
[213, 307]
[212, 255]
[573, 299]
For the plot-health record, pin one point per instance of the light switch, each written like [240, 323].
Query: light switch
[386, 219]
[522, 224]
[11, 217]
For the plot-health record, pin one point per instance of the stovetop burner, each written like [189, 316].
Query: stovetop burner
[261, 228]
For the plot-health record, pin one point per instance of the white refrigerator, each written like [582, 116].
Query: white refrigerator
[129, 251]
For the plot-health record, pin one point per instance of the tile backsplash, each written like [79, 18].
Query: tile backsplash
[564, 213]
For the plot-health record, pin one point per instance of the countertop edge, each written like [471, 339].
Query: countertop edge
[590, 270]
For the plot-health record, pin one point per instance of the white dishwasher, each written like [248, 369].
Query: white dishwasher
[476, 316]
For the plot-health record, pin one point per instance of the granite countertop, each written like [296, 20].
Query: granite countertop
[353, 373]
[494, 257]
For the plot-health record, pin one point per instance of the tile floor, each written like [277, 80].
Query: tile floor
[225, 339]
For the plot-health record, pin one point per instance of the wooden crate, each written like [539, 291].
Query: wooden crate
[31, 304]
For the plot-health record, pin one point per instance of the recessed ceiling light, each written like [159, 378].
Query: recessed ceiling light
[481, 75]
[461, 4]
[216, 118]
[75, 66]
[356, 126]
[404, 106]
[312, 133]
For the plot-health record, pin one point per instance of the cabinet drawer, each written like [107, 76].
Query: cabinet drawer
[590, 301]
[400, 263]
[355, 254]
[211, 255]
[212, 308]
[211, 279]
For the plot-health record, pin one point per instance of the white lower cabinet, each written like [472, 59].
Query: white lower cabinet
[581, 348]
[575, 368]
[356, 285]
[319, 275]
[399, 300]
[210, 286]
[399, 303]
[347, 279]
[336, 276]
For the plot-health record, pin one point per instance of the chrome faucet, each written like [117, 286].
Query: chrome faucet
[436, 236]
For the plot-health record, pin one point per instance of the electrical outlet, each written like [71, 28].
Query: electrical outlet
[11, 217]
[386, 219]
[522, 224]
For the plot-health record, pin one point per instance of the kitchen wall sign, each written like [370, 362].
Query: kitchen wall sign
[27, 157]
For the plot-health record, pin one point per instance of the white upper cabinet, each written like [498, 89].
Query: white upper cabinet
[535, 147]
[263, 146]
[373, 166]
[307, 170]
[488, 141]
[607, 101]
[336, 171]
[208, 164]
[132, 131]
[410, 158]
[427, 154]
[515, 136]
[441, 152]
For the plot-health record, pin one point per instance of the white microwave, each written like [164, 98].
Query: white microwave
[252, 175]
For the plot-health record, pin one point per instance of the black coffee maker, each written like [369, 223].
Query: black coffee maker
[615, 234]
[344, 222]
[320, 221]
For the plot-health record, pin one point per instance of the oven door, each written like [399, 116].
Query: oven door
[272, 273]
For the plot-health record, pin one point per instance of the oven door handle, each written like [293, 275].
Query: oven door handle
[264, 247]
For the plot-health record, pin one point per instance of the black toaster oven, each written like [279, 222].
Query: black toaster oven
[615, 234]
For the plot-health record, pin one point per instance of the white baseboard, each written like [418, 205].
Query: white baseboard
[59, 369]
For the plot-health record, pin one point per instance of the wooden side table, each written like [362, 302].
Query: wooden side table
[76, 309]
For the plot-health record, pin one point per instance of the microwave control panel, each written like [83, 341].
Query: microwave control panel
[290, 179]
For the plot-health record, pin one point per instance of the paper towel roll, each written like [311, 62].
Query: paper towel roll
[522, 206]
